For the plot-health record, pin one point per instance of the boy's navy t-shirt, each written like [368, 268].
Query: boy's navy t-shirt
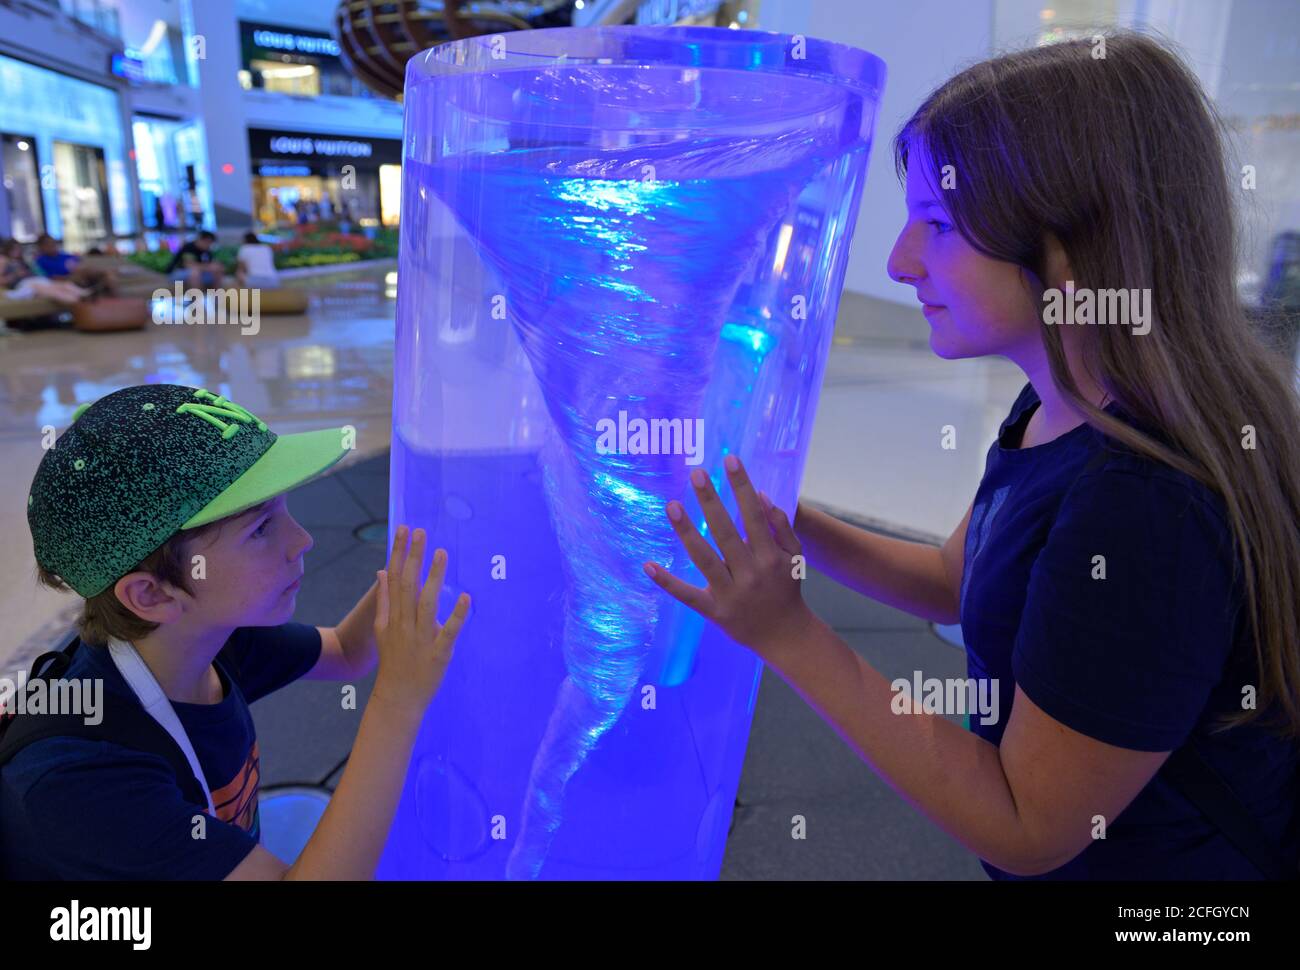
[76, 808]
[1139, 659]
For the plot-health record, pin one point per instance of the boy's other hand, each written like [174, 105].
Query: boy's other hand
[414, 649]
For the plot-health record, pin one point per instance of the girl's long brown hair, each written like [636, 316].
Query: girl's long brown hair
[1122, 158]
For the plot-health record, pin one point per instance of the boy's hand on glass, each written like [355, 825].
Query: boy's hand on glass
[414, 649]
[754, 594]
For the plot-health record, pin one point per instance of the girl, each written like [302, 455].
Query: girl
[1129, 570]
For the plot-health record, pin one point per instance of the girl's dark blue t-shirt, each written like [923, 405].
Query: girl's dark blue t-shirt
[1142, 658]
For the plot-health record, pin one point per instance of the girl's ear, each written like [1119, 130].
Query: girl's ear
[1056, 265]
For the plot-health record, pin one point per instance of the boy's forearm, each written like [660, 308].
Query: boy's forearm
[952, 775]
[351, 834]
[356, 633]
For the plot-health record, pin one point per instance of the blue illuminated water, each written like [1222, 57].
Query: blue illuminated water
[589, 725]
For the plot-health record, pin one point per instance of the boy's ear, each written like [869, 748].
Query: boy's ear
[148, 597]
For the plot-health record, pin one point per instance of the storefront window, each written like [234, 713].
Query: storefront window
[286, 195]
[164, 186]
[83, 194]
[191, 155]
[74, 129]
[286, 78]
[390, 193]
[300, 178]
[22, 183]
[294, 62]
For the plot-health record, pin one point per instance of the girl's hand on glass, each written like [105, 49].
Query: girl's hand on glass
[754, 594]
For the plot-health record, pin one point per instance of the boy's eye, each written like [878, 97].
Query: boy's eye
[261, 529]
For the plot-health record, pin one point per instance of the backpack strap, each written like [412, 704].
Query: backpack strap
[1191, 774]
[52, 663]
[123, 722]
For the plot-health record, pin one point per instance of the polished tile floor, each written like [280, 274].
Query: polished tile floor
[876, 454]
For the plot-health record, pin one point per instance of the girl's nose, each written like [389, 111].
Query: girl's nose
[903, 266]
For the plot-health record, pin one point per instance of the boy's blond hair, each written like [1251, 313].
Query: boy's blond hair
[104, 615]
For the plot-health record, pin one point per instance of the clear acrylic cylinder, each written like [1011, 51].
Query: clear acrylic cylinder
[622, 251]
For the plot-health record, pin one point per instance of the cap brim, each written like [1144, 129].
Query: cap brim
[292, 460]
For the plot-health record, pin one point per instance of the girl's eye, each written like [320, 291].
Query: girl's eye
[938, 224]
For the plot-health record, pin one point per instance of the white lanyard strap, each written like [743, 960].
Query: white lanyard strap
[141, 680]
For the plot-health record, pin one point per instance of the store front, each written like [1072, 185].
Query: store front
[62, 157]
[293, 62]
[300, 178]
[171, 167]
[22, 184]
[83, 192]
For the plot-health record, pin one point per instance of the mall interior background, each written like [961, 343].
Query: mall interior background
[132, 117]
[142, 121]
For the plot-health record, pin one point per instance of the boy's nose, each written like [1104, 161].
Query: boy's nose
[304, 544]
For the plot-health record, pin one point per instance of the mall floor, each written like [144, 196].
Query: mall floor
[877, 457]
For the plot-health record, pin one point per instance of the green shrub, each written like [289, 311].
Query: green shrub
[157, 260]
[285, 260]
[301, 252]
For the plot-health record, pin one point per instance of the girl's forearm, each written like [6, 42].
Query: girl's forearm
[908, 576]
[950, 774]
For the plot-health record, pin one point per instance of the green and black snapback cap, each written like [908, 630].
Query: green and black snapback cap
[143, 463]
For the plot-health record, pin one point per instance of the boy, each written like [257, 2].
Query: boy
[164, 507]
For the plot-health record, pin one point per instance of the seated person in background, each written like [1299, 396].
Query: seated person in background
[13, 268]
[18, 282]
[62, 267]
[193, 263]
[255, 264]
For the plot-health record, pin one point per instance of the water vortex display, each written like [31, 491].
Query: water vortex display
[679, 262]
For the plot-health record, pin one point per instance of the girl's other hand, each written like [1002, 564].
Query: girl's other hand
[754, 594]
